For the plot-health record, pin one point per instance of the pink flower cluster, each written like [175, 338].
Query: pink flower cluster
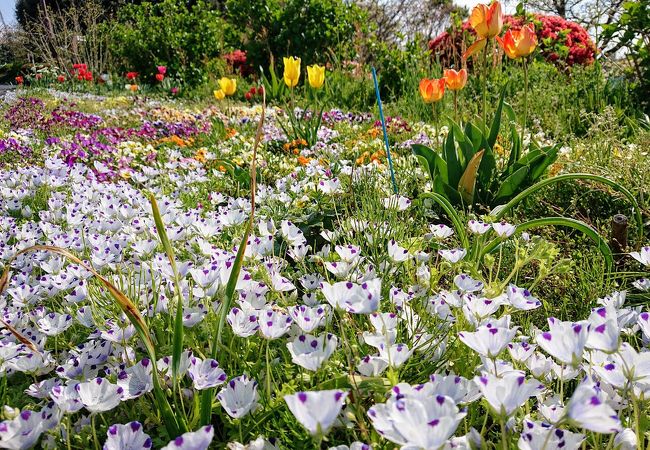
[561, 41]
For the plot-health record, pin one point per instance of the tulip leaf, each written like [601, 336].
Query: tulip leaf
[549, 159]
[454, 169]
[496, 122]
[510, 184]
[467, 182]
[426, 157]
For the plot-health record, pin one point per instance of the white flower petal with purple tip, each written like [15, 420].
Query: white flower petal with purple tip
[273, 324]
[99, 395]
[467, 284]
[310, 351]
[478, 227]
[588, 409]
[503, 229]
[239, 396]
[316, 410]
[521, 298]
[565, 341]
[21, 432]
[127, 437]
[353, 297]
[453, 255]
[541, 435]
[642, 256]
[193, 440]
[205, 374]
[441, 231]
[507, 393]
[488, 340]
[136, 380]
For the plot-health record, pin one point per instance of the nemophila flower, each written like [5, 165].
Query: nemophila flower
[521, 299]
[316, 75]
[309, 318]
[539, 365]
[205, 374]
[136, 380]
[455, 80]
[520, 351]
[626, 368]
[352, 297]
[397, 202]
[541, 435]
[273, 324]
[291, 73]
[310, 351]
[395, 355]
[478, 227]
[243, 321]
[604, 330]
[99, 395]
[642, 256]
[476, 309]
[316, 410]
[239, 396]
[127, 437]
[642, 284]
[193, 440]
[589, 409]
[416, 422]
[432, 90]
[21, 432]
[66, 397]
[505, 394]
[353, 446]
[519, 43]
[503, 229]
[565, 341]
[372, 366]
[626, 440]
[54, 324]
[396, 253]
[454, 255]
[459, 389]
[441, 231]
[644, 323]
[466, 283]
[488, 340]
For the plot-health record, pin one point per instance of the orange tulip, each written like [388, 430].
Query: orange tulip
[455, 80]
[486, 20]
[518, 43]
[432, 90]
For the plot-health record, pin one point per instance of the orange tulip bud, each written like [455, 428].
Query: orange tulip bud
[455, 80]
[486, 20]
[432, 90]
[518, 43]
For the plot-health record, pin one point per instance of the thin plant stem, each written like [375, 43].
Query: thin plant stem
[456, 106]
[504, 434]
[485, 70]
[435, 122]
[525, 118]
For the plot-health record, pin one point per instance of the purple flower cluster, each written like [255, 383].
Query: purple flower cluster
[337, 116]
[32, 113]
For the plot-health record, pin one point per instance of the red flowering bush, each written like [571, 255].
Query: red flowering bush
[239, 63]
[561, 41]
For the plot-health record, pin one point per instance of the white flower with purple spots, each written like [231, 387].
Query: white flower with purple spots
[243, 321]
[603, 331]
[205, 374]
[478, 227]
[441, 231]
[589, 409]
[99, 395]
[565, 341]
[309, 318]
[316, 410]
[127, 437]
[310, 351]
[521, 299]
[397, 202]
[453, 255]
[642, 284]
[193, 440]
[273, 323]
[136, 380]
[21, 432]
[416, 422]
[507, 393]
[54, 324]
[353, 297]
[396, 253]
[488, 340]
[543, 436]
[66, 397]
[465, 283]
[503, 229]
[239, 396]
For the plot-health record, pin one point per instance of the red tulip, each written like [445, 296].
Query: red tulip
[88, 76]
[160, 77]
[60, 78]
[248, 96]
[260, 90]
[131, 75]
[162, 70]
[20, 80]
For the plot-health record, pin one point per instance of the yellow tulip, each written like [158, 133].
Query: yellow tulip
[219, 94]
[486, 20]
[291, 71]
[228, 85]
[432, 90]
[316, 75]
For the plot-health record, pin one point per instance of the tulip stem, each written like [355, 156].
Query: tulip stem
[456, 106]
[525, 119]
[485, 50]
[435, 122]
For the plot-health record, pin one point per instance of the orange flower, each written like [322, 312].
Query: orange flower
[518, 43]
[455, 80]
[432, 90]
[303, 161]
[487, 22]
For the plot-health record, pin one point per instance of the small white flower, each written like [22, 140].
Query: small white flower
[454, 255]
[239, 396]
[316, 410]
[127, 437]
[503, 229]
[643, 256]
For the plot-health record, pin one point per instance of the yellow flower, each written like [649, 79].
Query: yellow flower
[220, 94]
[316, 75]
[228, 85]
[291, 71]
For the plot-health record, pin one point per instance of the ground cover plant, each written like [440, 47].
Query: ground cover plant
[255, 269]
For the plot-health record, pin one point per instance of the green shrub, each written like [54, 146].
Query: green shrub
[187, 39]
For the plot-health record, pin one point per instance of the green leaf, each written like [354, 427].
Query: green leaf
[468, 180]
[426, 157]
[510, 184]
[538, 169]
[496, 122]
[454, 169]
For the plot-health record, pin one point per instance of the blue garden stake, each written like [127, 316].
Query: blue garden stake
[383, 126]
